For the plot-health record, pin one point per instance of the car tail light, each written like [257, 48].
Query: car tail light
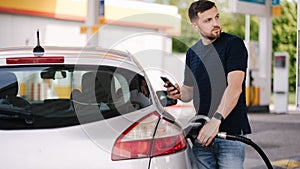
[41, 59]
[149, 137]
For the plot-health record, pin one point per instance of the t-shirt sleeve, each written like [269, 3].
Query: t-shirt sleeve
[188, 77]
[237, 55]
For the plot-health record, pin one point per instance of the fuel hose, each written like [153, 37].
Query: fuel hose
[248, 142]
[197, 122]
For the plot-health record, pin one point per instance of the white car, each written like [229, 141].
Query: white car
[75, 108]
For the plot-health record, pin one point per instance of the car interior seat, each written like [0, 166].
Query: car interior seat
[9, 88]
[87, 103]
[104, 88]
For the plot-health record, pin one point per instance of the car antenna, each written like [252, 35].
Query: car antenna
[38, 50]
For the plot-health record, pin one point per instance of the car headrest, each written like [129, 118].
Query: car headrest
[93, 88]
[88, 83]
[8, 84]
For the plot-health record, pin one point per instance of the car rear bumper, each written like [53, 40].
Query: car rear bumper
[180, 160]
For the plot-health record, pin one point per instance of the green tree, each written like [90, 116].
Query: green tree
[285, 37]
[189, 36]
[235, 24]
[284, 30]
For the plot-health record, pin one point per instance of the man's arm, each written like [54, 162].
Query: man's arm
[228, 102]
[232, 92]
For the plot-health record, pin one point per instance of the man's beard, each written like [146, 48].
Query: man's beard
[213, 36]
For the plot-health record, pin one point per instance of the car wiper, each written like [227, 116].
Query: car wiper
[16, 112]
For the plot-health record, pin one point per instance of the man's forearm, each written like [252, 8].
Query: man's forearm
[232, 92]
[186, 93]
[229, 101]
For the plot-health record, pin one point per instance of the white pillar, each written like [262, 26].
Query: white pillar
[92, 20]
[265, 53]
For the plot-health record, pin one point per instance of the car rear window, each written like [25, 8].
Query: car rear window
[53, 96]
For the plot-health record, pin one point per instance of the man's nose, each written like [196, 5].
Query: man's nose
[215, 22]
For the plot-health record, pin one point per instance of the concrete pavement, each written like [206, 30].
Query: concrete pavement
[279, 137]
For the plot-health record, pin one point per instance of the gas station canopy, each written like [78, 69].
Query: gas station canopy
[120, 12]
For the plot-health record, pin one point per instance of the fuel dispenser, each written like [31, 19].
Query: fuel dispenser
[281, 82]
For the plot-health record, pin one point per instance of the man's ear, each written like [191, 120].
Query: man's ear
[194, 26]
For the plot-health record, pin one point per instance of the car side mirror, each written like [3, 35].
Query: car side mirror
[164, 99]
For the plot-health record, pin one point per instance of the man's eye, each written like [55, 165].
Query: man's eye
[207, 20]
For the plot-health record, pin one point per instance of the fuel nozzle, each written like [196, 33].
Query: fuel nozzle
[194, 126]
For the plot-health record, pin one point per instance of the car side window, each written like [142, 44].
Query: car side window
[132, 91]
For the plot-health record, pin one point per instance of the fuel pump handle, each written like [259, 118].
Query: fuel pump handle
[196, 123]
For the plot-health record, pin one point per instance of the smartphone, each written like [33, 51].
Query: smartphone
[166, 80]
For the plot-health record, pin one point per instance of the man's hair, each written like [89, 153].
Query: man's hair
[200, 6]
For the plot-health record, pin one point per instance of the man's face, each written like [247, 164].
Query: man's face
[208, 24]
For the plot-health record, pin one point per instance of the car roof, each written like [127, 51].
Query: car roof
[75, 55]
[67, 51]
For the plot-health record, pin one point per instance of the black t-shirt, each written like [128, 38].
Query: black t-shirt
[207, 67]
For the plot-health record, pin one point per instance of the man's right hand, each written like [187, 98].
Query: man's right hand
[174, 93]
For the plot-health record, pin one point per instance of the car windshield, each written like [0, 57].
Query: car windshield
[67, 95]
